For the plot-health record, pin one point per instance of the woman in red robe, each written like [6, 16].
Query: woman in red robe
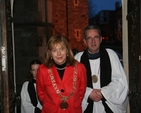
[61, 81]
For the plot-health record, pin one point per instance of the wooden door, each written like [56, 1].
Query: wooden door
[134, 42]
[7, 95]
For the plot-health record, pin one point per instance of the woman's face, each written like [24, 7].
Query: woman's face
[34, 68]
[59, 54]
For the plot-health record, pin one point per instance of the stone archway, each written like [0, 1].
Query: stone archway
[125, 41]
[125, 36]
[131, 54]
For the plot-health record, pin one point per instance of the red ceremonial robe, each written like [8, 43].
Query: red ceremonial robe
[48, 96]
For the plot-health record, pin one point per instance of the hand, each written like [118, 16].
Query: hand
[95, 95]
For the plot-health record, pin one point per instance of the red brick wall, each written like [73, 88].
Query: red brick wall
[67, 23]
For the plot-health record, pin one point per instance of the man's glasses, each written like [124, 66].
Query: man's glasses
[90, 38]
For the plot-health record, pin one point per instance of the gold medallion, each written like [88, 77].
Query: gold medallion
[64, 105]
[94, 79]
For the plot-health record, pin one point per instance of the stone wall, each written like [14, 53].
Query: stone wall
[69, 19]
[29, 35]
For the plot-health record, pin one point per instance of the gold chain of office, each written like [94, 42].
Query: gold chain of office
[64, 105]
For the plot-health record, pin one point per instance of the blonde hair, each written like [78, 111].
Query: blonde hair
[52, 42]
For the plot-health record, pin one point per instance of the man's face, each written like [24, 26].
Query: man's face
[93, 40]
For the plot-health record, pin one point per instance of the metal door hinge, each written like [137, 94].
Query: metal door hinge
[139, 57]
[3, 58]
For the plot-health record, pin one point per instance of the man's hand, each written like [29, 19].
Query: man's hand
[95, 95]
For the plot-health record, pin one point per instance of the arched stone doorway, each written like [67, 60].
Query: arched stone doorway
[131, 54]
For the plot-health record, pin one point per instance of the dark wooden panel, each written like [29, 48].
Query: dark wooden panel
[134, 35]
[7, 94]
